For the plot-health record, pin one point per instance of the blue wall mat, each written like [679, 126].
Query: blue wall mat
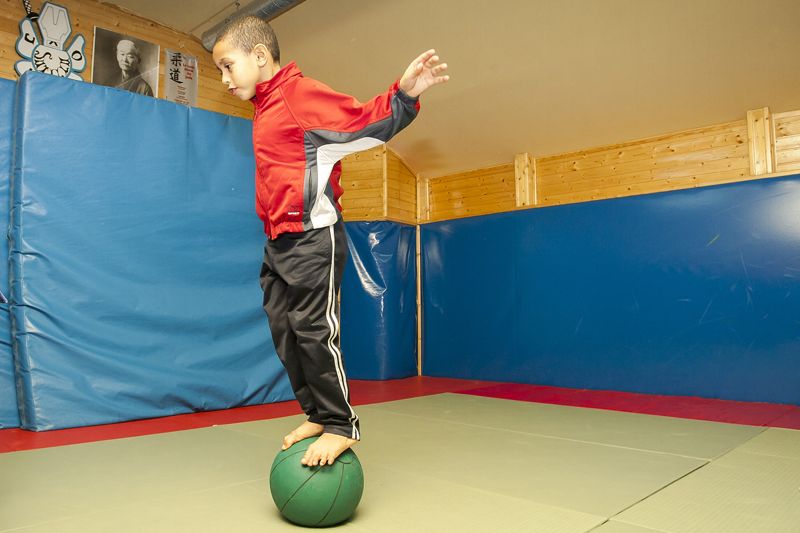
[693, 292]
[379, 301]
[135, 255]
[9, 417]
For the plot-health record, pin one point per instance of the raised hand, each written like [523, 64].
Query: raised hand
[424, 72]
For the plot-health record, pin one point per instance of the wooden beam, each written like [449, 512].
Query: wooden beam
[423, 215]
[385, 183]
[419, 303]
[761, 141]
[423, 199]
[525, 176]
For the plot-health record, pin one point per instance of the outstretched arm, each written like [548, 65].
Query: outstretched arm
[424, 72]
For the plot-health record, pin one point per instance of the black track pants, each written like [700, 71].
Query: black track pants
[301, 276]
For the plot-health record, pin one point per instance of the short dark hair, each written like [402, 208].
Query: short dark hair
[246, 32]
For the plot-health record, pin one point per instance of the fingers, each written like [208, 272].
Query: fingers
[430, 63]
[437, 75]
[429, 60]
[425, 56]
[438, 69]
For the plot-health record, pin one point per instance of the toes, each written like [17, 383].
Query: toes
[311, 458]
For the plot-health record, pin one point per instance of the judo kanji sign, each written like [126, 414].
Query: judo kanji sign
[180, 78]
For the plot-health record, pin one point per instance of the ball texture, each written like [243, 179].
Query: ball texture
[315, 496]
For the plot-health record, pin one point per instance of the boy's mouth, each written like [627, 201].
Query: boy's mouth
[232, 90]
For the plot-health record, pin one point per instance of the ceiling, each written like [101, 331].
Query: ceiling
[539, 76]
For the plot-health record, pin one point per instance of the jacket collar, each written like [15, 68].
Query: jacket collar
[265, 88]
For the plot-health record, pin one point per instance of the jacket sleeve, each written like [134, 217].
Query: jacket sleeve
[337, 125]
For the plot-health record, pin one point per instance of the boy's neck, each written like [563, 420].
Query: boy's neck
[268, 71]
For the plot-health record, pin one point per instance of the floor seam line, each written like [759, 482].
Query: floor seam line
[554, 437]
[657, 491]
[485, 491]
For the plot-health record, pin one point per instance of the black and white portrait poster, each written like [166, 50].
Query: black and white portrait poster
[125, 62]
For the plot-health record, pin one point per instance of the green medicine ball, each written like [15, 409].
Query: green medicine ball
[315, 495]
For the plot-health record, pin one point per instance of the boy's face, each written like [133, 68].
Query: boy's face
[241, 71]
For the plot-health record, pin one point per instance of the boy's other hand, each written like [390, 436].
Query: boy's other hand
[424, 72]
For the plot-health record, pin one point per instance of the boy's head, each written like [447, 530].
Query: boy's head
[247, 53]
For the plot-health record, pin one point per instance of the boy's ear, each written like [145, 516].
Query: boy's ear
[263, 57]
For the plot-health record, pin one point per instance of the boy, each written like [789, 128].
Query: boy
[301, 129]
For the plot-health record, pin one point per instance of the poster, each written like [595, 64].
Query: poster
[180, 77]
[125, 62]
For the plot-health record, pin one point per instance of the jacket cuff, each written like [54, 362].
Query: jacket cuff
[406, 98]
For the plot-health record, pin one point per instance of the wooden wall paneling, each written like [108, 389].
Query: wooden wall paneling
[697, 157]
[363, 183]
[401, 190]
[666, 145]
[472, 193]
[787, 141]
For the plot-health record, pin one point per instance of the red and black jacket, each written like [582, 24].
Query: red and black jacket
[301, 130]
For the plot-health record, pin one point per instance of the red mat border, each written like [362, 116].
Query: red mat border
[732, 412]
[370, 392]
[361, 392]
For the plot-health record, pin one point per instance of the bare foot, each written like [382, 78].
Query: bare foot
[305, 430]
[326, 449]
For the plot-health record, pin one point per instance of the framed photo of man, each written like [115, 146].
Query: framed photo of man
[125, 62]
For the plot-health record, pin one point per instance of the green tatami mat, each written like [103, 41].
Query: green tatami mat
[777, 442]
[692, 438]
[581, 476]
[235, 508]
[394, 502]
[434, 464]
[215, 480]
[44, 484]
[398, 501]
[741, 492]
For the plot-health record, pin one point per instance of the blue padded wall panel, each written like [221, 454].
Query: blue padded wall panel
[693, 292]
[135, 259]
[379, 301]
[9, 417]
